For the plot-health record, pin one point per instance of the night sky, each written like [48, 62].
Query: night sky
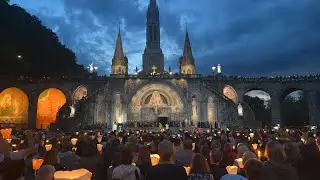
[247, 37]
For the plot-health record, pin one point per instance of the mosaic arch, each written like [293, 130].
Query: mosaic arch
[79, 93]
[156, 100]
[49, 103]
[14, 105]
[229, 92]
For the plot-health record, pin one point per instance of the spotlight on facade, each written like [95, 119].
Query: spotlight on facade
[219, 69]
[240, 110]
[214, 69]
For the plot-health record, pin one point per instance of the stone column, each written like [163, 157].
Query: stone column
[313, 107]
[32, 111]
[275, 108]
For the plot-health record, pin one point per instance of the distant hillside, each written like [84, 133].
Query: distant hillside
[29, 48]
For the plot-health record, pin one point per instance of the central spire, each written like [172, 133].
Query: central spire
[153, 56]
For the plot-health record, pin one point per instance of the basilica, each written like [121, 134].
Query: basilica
[155, 95]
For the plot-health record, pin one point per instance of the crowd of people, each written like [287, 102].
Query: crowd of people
[265, 154]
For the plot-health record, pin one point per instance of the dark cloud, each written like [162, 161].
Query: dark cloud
[261, 37]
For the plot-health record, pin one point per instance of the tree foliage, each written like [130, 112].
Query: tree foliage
[40, 49]
[294, 112]
[261, 111]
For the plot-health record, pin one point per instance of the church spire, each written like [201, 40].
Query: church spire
[118, 53]
[152, 55]
[119, 60]
[187, 50]
[186, 62]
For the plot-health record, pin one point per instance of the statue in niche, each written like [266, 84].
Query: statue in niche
[194, 106]
[118, 107]
[129, 86]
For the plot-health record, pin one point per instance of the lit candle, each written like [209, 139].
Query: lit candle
[251, 135]
[255, 146]
[187, 169]
[240, 162]
[36, 164]
[48, 147]
[155, 158]
[259, 154]
[74, 141]
[232, 170]
[99, 147]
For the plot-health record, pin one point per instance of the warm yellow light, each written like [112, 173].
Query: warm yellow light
[232, 170]
[36, 164]
[99, 147]
[48, 147]
[82, 174]
[6, 133]
[74, 141]
[155, 158]
[49, 103]
[240, 162]
[14, 104]
[187, 169]
[255, 146]
[259, 154]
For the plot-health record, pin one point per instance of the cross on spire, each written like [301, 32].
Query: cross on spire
[154, 68]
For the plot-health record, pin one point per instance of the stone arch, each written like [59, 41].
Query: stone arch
[168, 92]
[14, 105]
[156, 100]
[229, 92]
[49, 103]
[79, 93]
[294, 107]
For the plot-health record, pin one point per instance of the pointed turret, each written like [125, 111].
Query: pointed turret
[186, 61]
[118, 53]
[119, 60]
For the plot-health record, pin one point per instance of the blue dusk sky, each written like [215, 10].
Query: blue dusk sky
[247, 37]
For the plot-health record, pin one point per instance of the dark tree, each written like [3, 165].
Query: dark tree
[294, 112]
[261, 111]
[29, 48]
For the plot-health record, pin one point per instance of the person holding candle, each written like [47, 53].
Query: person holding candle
[199, 168]
[253, 169]
[166, 169]
[51, 158]
[126, 171]
[277, 168]
[144, 160]
[184, 156]
[46, 172]
[215, 168]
